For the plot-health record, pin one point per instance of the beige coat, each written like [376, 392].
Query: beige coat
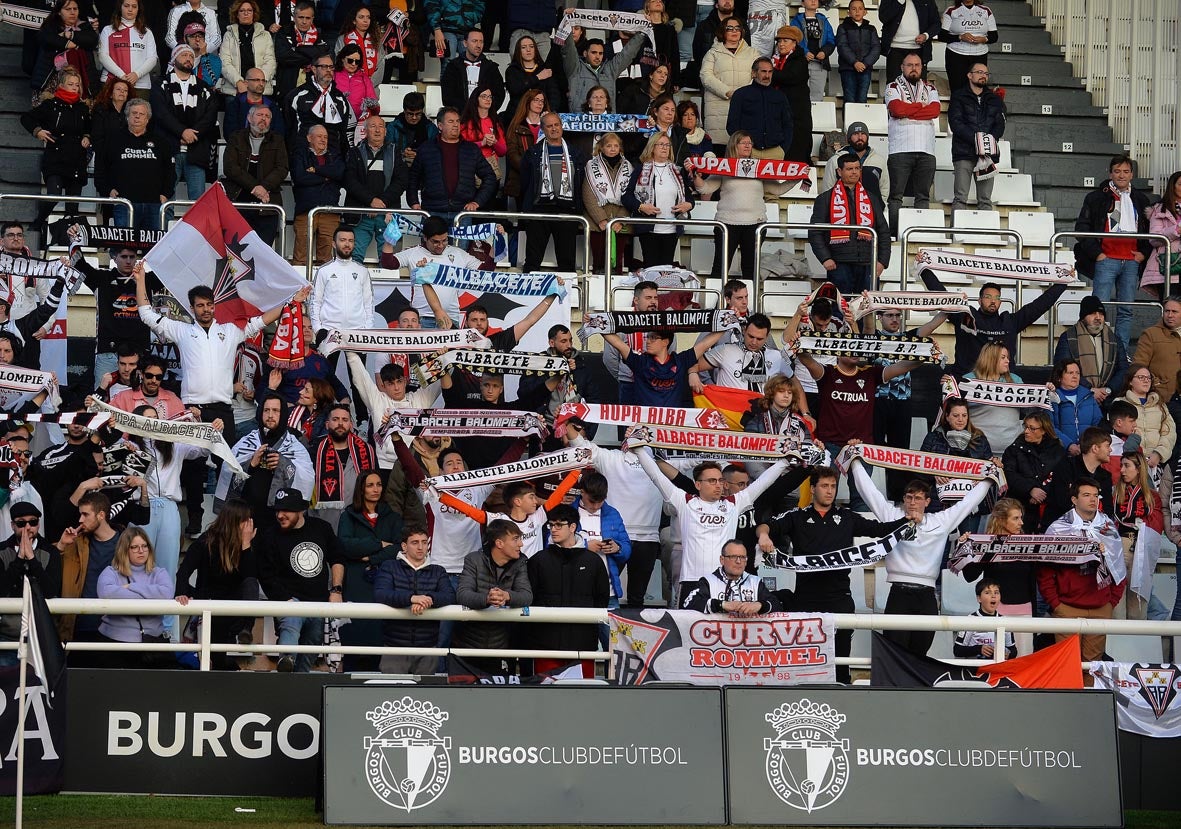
[722, 72]
[1155, 425]
[231, 59]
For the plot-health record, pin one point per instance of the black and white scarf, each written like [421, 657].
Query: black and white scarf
[565, 191]
[608, 189]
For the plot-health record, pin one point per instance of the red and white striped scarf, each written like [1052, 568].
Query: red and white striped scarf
[839, 213]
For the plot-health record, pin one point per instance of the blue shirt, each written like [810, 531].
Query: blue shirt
[102, 553]
[662, 384]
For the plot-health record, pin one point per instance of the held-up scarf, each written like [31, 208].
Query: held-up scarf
[943, 262]
[395, 36]
[91, 420]
[609, 20]
[646, 190]
[365, 44]
[999, 393]
[621, 322]
[31, 268]
[564, 460]
[608, 189]
[952, 302]
[927, 463]
[761, 168]
[202, 435]
[461, 423]
[630, 415]
[497, 362]
[859, 555]
[914, 349]
[616, 122]
[987, 151]
[839, 213]
[401, 340]
[723, 442]
[1042, 549]
[565, 190]
[288, 348]
[330, 483]
[535, 284]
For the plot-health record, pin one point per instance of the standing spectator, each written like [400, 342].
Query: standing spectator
[907, 29]
[1015, 579]
[127, 49]
[639, 96]
[224, 562]
[1159, 348]
[790, 76]
[724, 69]
[967, 27]
[451, 22]
[645, 298]
[1029, 463]
[1114, 264]
[659, 189]
[208, 68]
[846, 254]
[248, 374]
[1154, 424]
[1095, 445]
[342, 297]
[597, 102]
[318, 101]
[607, 176]
[297, 47]
[25, 554]
[174, 32]
[740, 208]
[411, 128]
[292, 565]
[359, 30]
[858, 49]
[913, 107]
[247, 45]
[551, 182]
[317, 176]
[390, 396]
[255, 165]
[603, 530]
[1076, 408]
[875, 173]
[449, 175]
[434, 248]
[368, 531]
[352, 79]
[86, 551]
[956, 435]
[238, 106]
[1002, 425]
[493, 577]
[114, 298]
[975, 110]
[593, 68]
[61, 121]
[533, 19]
[374, 178]
[780, 411]
[709, 22]
[522, 132]
[762, 112]
[662, 50]
[410, 580]
[471, 71]
[274, 459]
[661, 374]
[479, 125]
[186, 118]
[1137, 505]
[70, 36]
[747, 365]
[528, 71]
[1164, 218]
[1091, 342]
[819, 43]
[107, 116]
[138, 168]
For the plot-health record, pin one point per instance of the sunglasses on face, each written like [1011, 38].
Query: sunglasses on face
[353, 61]
[153, 376]
[21, 523]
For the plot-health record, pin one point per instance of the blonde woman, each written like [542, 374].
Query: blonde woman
[133, 574]
[740, 208]
[1000, 425]
[1016, 578]
[659, 189]
[607, 176]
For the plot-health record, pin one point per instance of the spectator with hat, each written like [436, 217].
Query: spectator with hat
[186, 119]
[789, 74]
[875, 174]
[192, 8]
[208, 69]
[25, 554]
[1093, 344]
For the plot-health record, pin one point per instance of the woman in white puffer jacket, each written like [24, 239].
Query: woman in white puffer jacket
[725, 67]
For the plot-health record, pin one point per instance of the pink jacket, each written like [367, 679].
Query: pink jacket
[357, 86]
[1161, 221]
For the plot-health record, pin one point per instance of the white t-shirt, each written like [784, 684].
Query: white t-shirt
[738, 368]
[448, 297]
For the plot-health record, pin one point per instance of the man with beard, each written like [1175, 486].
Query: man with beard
[337, 458]
[150, 392]
[186, 120]
[116, 320]
[25, 554]
[645, 298]
[256, 165]
[745, 365]
[576, 386]
[875, 174]
[912, 105]
[1100, 354]
[56, 472]
[342, 296]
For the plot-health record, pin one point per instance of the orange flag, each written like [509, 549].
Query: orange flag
[1058, 666]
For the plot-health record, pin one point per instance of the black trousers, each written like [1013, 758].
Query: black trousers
[639, 570]
[914, 600]
[658, 248]
[741, 239]
[797, 603]
[891, 427]
[565, 235]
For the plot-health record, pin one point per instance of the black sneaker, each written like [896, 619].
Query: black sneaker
[286, 665]
[193, 531]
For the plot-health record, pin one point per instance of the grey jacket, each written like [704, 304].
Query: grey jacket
[481, 574]
[580, 77]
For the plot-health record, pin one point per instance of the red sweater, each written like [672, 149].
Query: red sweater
[917, 111]
[1076, 586]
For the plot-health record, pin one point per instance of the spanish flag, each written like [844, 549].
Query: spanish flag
[733, 403]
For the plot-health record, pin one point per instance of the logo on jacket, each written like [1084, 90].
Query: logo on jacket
[407, 765]
[807, 765]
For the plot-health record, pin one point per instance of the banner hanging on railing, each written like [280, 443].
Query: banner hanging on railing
[45, 734]
[1147, 696]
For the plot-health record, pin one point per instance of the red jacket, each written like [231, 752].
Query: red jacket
[1076, 586]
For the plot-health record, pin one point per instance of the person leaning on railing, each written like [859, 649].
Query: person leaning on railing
[133, 574]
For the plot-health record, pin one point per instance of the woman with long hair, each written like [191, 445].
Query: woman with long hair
[1164, 218]
[107, 116]
[1002, 425]
[360, 30]
[1029, 466]
[480, 126]
[697, 141]
[246, 45]
[1016, 578]
[1076, 408]
[725, 68]
[781, 410]
[307, 416]
[226, 569]
[662, 49]
[1137, 505]
[607, 175]
[659, 189]
[369, 533]
[127, 48]
[352, 79]
[740, 208]
[527, 73]
[1154, 424]
[956, 435]
[133, 574]
[62, 122]
[66, 35]
[637, 97]
[523, 131]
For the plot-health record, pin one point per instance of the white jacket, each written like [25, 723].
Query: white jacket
[144, 57]
[379, 404]
[723, 72]
[207, 356]
[231, 59]
[342, 296]
[212, 30]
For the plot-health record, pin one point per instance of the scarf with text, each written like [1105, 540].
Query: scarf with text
[873, 346]
[722, 443]
[608, 190]
[859, 555]
[496, 362]
[488, 282]
[768, 169]
[462, 423]
[31, 268]
[926, 463]
[18, 383]
[1000, 393]
[610, 20]
[564, 460]
[1042, 549]
[330, 484]
[839, 213]
[201, 435]
[953, 302]
[630, 415]
[565, 188]
[982, 268]
[628, 322]
[398, 31]
[988, 151]
[401, 340]
[616, 122]
[288, 349]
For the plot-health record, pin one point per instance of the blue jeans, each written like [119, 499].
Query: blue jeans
[856, 502]
[454, 41]
[1117, 279]
[685, 41]
[851, 279]
[107, 361]
[365, 231]
[855, 85]
[147, 216]
[163, 532]
[605, 627]
[192, 175]
[296, 630]
[446, 628]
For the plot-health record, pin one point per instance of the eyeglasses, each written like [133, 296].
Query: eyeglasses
[892, 316]
[14, 235]
[412, 113]
[735, 557]
[21, 523]
[732, 28]
[1031, 427]
[153, 376]
[22, 453]
[1142, 377]
[256, 80]
[709, 480]
[323, 65]
[554, 524]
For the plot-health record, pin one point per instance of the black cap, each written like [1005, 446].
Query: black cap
[23, 509]
[290, 500]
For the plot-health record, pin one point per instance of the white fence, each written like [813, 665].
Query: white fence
[527, 615]
[1127, 52]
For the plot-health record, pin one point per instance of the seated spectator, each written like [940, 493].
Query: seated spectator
[730, 589]
[971, 644]
[25, 554]
[368, 531]
[493, 577]
[1076, 408]
[226, 568]
[1100, 355]
[409, 580]
[133, 574]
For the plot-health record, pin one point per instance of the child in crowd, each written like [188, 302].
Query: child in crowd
[975, 644]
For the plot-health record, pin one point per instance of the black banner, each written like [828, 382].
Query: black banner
[95, 237]
[45, 733]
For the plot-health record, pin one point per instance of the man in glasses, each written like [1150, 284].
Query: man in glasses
[730, 589]
[25, 553]
[319, 101]
[974, 110]
[411, 129]
[21, 292]
[238, 106]
[151, 392]
[297, 47]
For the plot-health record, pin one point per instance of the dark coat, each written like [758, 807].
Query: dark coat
[633, 204]
[45, 567]
[517, 82]
[531, 182]
[1028, 466]
[426, 179]
[292, 58]
[139, 167]
[272, 167]
[567, 577]
[68, 123]
[395, 584]
[1058, 502]
[1093, 219]
[765, 113]
[856, 250]
[170, 120]
[454, 82]
[359, 540]
[52, 43]
[930, 22]
[857, 43]
[320, 188]
[792, 79]
[969, 114]
[298, 115]
[356, 176]
[480, 574]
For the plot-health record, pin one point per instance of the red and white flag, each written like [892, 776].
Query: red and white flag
[213, 245]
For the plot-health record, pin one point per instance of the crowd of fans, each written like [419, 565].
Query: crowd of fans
[332, 508]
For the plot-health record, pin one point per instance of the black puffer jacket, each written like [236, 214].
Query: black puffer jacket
[1029, 466]
[969, 114]
[67, 123]
[567, 577]
[396, 582]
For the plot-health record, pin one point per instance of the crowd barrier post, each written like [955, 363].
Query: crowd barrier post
[760, 292]
[32, 197]
[612, 224]
[274, 208]
[347, 211]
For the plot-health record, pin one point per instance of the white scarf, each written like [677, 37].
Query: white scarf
[646, 193]
[566, 185]
[325, 107]
[608, 190]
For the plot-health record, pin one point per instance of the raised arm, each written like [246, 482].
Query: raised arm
[564, 487]
[619, 344]
[667, 491]
[704, 345]
[881, 508]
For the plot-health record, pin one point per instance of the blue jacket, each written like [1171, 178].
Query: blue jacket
[1071, 419]
[455, 16]
[612, 527]
[857, 43]
[828, 39]
[426, 179]
[532, 15]
[764, 112]
[318, 189]
[396, 582]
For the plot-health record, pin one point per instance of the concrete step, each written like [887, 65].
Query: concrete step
[1053, 95]
[1047, 84]
[14, 137]
[1024, 45]
[1056, 128]
[1011, 12]
[1062, 169]
[1076, 107]
[1024, 142]
[1038, 66]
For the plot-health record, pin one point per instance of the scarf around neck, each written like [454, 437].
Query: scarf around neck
[330, 482]
[839, 213]
[608, 181]
[565, 191]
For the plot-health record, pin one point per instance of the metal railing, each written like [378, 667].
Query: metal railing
[207, 609]
[653, 220]
[310, 265]
[72, 199]
[760, 293]
[277, 208]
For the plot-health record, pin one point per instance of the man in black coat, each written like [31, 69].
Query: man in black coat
[186, 120]
[551, 182]
[297, 47]
[763, 111]
[974, 109]
[374, 177]
[256, 174]
[907, 28]
[469, 71]
[449, 175]
[846, 255]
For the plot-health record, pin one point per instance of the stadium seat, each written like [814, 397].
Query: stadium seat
[1035, 228]
[824, 116]
[434, 98]
[978, 220]
[1014, 189]
[390, 97]
[913, 217]
[1134, 648]
[799, 214]
[873, 115]
[432, 69]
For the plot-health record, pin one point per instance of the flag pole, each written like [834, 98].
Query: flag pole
[23, 646]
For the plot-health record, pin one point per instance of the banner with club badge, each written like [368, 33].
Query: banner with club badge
[629, 322]
[564, 460]
[401, 340]
[610, 20]
[858, 555]
[629, 415]
[202, 435]
[943, 263]
[660, 645]
[872, 346]
[1042, 549]
[999, 393]
[616, 122]
[497, 362]
[461, 423]
[768, 169]
[951, 302]
[498, 282]
[1146, 695]
[927, 463]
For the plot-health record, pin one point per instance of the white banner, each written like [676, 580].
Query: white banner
[983, 268]
[1145, 695]
[174, 431]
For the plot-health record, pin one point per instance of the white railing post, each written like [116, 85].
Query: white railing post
[206, 639]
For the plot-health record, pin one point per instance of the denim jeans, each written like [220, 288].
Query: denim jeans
[856, 502]
[147, 216]
[455, 48]
[855, 85]
[192, 175]
[107, 361]
[851, 279]
[1117, 279]
[163, 532]
[296, 630]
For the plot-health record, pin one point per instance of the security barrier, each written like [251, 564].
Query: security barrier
[346, 211]
[281, 238]
[760, 293]
[613, 224]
